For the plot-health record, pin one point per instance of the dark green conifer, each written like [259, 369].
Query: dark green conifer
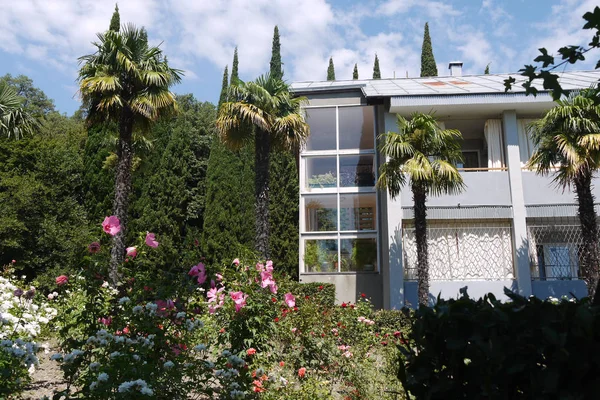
[487, 70]
[224, 87]
[428, 66]
[235, 78]
[275, 64]
[355, 72]
[115, 21]
[376, 71]
[330, 70]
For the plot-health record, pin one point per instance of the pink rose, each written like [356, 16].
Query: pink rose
[251, 351]
[131, 251]
[151, 240]
[236, 262]
[111, 225]
[61, 280]
[290, 300]
[302, 372]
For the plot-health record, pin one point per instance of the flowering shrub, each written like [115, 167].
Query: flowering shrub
[22, 318]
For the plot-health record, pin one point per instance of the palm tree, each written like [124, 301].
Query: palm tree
[427, 155]
[14, 120]
[266, 111]
[568, 145]
[126, 81]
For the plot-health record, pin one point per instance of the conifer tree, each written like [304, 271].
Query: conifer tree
[234, 69]
[115, 21]
[428, 66]
[283, 193]
[224, 87]
[376, 71]
[330, 70]
[275, 64]
[487, 70]
[355, 72]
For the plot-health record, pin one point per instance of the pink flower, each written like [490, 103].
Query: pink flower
[251, 351]
[105, 321]
[290, 300]
[131, 251]
[273, 288]
[61, 280]
[236, 261]
[164, 307]
[239, 299]
[151, 240]
[111, 225]
[202, 278]
[213, 293]
[302, 372]
[267, 279]
[94, 247]
[197, 270]
[14, 261]
[269, 266]
[219, 277]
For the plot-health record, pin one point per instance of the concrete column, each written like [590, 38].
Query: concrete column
[391, 236]
[513, 160]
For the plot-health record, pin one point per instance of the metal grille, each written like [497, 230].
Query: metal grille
[462, 251]
[554, 250]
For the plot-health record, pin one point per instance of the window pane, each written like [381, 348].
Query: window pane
[357, 212]
[322, 128]
[359, 254]
[320, 255]
[321, 172]
[357, 171]
[320, 213]
[356, 128]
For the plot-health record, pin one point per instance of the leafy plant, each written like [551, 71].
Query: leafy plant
[322, 180]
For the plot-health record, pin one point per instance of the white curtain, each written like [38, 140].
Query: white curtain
[493, 137]
[526, 147]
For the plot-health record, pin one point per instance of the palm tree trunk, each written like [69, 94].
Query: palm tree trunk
[420, 209]
[261, 192]
[122, 190]
[589, 231]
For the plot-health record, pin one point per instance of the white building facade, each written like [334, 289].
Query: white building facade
[509, 228]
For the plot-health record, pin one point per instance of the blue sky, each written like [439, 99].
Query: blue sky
[42, 39]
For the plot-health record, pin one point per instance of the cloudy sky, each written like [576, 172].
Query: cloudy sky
[43, 38]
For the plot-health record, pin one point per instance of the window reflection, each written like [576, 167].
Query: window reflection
[321, 255]
[356, 128]
[321, 172]
[357, 212]
[320, 213]
[357, 171]
[322, 128]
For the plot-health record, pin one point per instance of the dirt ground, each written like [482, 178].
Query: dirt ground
[47, 377]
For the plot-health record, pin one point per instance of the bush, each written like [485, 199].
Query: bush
[522, 349]
[321, 293]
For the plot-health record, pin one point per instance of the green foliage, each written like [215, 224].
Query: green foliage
[428, 66]
[172, 179]
[33, 99]
[569, 54]
[376, 71]
[14, 119]
[520, 349]
[276, 64]
[320, 293]
[330, 70]
[98, 180]
[487, 69]
[235, 78]
[355, 72]
[224, 86]
[43, 224]
[115, 20]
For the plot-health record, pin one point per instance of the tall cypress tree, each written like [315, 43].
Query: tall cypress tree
[115, 21]
[224, 87]
[275, 64]
[428, 67]
[229, 218]
[234, 69]
[330, 70]
[487, 70]
[355, 72]
[376, 71]
[283, 193]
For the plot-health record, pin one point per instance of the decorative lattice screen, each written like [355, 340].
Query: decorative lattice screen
[462, 251]
[554, 249]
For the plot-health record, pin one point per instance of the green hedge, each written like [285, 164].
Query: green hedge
[322, 293]
[486, 349]
[393, 320]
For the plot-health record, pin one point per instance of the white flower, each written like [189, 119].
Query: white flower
[104, 284]
[103, 377]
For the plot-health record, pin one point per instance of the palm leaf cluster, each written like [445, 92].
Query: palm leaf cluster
[265, 104]
[126, 73]
[567, 139]
[424, 153]
[14, 120]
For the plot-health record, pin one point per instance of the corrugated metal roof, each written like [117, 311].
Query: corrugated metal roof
[443, 85]
[554, 210]
[463, 212]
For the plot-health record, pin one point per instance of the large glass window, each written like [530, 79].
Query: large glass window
[339, 201]
[322, 128]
